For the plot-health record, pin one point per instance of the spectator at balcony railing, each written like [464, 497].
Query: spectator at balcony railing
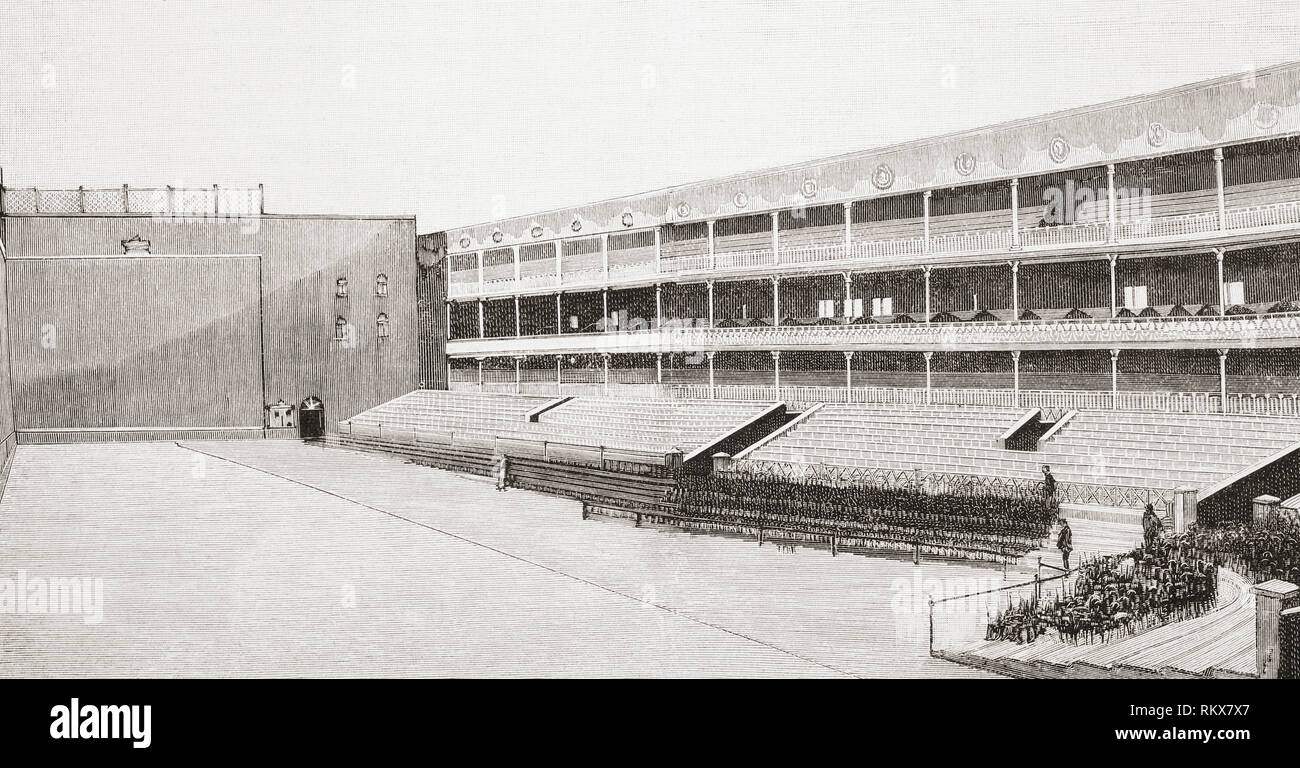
[1238, 309]
[1049, 488]
[1077, 314]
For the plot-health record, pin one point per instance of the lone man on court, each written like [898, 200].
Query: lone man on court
[501, 471]
[1065, 542]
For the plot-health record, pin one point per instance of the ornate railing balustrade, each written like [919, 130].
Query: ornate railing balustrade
[1099, 333]
[1051, 400]
[865, 254]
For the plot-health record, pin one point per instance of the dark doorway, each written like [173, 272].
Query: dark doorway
[311, 418]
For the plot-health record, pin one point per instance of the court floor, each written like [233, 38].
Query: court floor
[275, 558]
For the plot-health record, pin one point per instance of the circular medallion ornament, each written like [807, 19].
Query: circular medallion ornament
[1059, 149]
[1266, 115]
[536, 231]
[965, 164]
[882, 177]
[464, 242]
[808, 188]
[1156, 134]
[683, 209]
[498, 236]
[740, 199]
[575, 225]
[627, 219]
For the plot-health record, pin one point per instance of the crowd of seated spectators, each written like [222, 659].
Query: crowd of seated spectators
[1118, 595]
[1259, 551]
[998, 518]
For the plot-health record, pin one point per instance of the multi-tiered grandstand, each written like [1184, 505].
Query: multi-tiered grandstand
[1110, 291]
[1130, 255]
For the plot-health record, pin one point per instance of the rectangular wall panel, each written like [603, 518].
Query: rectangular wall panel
[135, 342]
[302, 258]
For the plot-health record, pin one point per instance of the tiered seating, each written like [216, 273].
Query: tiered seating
[748, 241]
[978, 221]
[812, 236]
[498, 265]
[1143, 450]
[888, 229]
[684, 424]
[629, 251]
[936, 439]
[1261, 193]
[1178, 203]
[582, 257]
[449, 411]
[683, 253]
[651, 426]
[1163, 450]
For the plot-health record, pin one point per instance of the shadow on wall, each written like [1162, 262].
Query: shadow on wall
[206, 378]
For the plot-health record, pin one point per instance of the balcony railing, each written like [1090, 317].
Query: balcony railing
[971, 242]
[1275, 215]
[1258, 404]
[990, 241]
[1227, 332]
[1064, 235]
[462, 288]
[538, 281]
[623, 272]
[813, 254]
[583, 277]
[885, 249]
[745, 259]
[1168, 226]
[684, 264]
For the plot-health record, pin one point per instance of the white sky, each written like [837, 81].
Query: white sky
[466, 112]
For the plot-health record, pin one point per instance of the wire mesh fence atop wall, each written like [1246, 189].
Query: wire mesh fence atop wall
[176, 201]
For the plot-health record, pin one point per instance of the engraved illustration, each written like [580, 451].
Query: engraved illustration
[983, 375]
